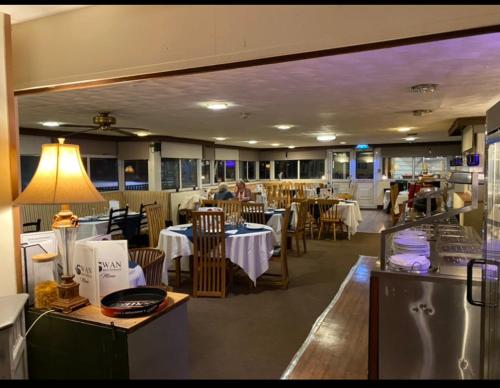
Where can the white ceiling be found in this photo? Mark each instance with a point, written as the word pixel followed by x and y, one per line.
pixel 361 97
pixel 24 12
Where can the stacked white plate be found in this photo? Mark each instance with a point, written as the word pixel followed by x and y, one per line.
pixel 412 241
pixel 409 262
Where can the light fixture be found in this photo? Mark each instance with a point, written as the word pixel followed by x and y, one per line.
pixel 411 137
pixel 220 138
pixel 323 177
pixel 142 133
pixel 284 127
pixel 422 112
pixel 60 178
pixel 291 146
pixel 342 142
pixel 252 141
pixel 326 137
pixel 276 144
pixel 50 123
pixel 129 170
pixel 217 105
pixel 404 129
pixel 424 88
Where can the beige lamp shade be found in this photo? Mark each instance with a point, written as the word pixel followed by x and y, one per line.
pixel 60 178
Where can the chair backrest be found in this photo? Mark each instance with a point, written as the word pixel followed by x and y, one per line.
pixel 208 202
pixel 31 227
pixel 117 221
pixel 209 254
pixel 151 260
pixel 143 222
pixel 394 197
pixel 284 249
pixel 155 224
pixel 231 208
pixel 253 212
pixel 328 209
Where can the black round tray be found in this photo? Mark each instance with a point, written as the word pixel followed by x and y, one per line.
pixel 134 302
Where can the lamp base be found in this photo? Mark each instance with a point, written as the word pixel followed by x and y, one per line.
pixel 68 298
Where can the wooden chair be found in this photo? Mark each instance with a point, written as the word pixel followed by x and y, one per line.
pixel 394 197
pixel 141 237
pixel 253 212
pixel 117 222
pixel 328 216
pixel 230 208
pixel 280 255
pixel 299 233
pixel 32 227
pixel 208 202
pixel 209 254
pixel 311 223
pixel 151 261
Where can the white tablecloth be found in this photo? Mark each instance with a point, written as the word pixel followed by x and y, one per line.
pixel 93 228
pixel 251 251
pixel 276 221
pixel 402 197
pixel 350 214
pixel 136 277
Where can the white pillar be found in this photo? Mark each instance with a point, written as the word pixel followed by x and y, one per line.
pixel 10 250
pixel 154 170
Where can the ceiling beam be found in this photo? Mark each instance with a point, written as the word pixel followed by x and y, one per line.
pixel 459 124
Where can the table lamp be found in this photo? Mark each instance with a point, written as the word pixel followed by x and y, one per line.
pixel 60 178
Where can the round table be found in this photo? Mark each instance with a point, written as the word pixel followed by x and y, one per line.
pixel 250 251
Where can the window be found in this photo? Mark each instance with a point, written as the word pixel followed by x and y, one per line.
pixel 136 174
pixel 364 165
pixel 205 172
pixel 434 166
pixel 285 169
pixel 264 169
pixel 189 171
pixel 29 163
pixel 104 173
pixel 247 170
pixel 401 168
pixel 170 174
pixel 340 165
pixel 312 169
pixel 225 170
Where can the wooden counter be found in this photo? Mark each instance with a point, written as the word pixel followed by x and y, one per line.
pixel 86 344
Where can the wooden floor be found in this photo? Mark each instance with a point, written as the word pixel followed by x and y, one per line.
pixel 337 347
pixel 374 221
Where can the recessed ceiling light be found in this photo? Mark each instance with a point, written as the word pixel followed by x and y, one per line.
pixel 142 133
pixel 424 88
pixel 292 146
pixel 220 138
pixel 342 142
pixel 276 144
pixel 252 141
pixel 410 138
pixel 50 123
pixel 404 129
pixel 284 127
pixel 217 105
pixel 422 112
pixel 326 137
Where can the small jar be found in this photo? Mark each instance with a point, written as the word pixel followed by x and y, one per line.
pixel 44 281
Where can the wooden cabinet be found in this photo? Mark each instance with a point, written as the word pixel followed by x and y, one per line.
pixel 12 337
pixel 88 345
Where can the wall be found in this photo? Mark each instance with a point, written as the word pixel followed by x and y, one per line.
pixel 10 250
pixel 106 41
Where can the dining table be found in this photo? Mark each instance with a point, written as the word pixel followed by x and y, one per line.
pixel 274 219
pixel 248 247
pixel 349 212
pixel 96 225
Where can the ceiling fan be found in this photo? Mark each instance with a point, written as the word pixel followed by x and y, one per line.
pixel 104 123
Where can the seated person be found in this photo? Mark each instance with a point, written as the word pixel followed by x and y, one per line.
pixel 223 193
pixel 242 193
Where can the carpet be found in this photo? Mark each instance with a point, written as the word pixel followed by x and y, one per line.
pixel 254 332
